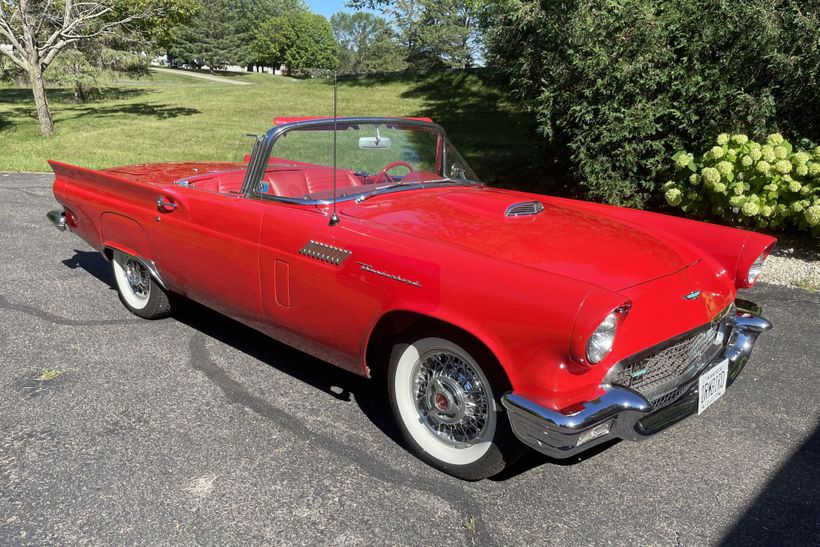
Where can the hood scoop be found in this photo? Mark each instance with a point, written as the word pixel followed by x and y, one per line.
pixel 524 209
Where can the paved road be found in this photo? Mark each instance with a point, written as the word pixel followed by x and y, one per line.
pixel 198 430
pixel 200 75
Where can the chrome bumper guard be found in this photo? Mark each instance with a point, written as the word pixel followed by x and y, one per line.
pixel 57 218
pixel 622 412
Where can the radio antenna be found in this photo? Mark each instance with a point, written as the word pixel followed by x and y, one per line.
pixel 334 219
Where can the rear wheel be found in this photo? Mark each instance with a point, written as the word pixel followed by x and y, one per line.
pixel 138 292
pixel 445 403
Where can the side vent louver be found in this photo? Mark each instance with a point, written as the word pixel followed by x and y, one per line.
pixel 524 208
pixel 324 252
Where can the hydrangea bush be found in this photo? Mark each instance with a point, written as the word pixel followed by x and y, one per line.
pixel 769 185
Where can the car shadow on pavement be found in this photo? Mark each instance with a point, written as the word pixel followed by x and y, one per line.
pixel 331 380
pixel 532 459
pixel 787 511
pixel 370 395
pixel 94 263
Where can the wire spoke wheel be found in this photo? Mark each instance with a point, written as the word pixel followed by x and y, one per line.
pixel 450 398
pixel 138 292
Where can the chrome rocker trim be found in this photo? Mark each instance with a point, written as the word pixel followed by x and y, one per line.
pixel 57 218
pixel 629 415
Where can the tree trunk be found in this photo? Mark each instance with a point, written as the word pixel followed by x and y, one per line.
pixel 38 88
pixel 79 92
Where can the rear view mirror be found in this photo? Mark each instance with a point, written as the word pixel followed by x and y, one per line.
pixel 374 143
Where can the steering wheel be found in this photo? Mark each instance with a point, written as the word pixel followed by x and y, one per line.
pixel 388 167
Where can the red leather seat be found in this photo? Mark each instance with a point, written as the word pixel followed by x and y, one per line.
pixel 297 183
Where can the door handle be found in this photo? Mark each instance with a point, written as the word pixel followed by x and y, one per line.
pixel 166 206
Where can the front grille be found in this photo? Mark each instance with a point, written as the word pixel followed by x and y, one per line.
pixel 659 374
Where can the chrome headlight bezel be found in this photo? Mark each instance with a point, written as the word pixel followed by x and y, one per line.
pixel 600 342
pixel 755 268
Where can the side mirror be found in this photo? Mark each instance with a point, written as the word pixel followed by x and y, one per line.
pixel 374 143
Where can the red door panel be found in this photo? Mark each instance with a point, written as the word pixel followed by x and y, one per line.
pixel 207 247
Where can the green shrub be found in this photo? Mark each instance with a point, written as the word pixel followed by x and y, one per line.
pixel 617 86
pixel 740 181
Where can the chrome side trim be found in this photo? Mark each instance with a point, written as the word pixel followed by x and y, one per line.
pixel 324 252
pixel 150 265
pixel 371 269
pixel 57 218
pixel 524 208
pixel 627 413
pixel 356 195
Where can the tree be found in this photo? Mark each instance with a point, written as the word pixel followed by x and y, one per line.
pixel 223 31
pixel 298 40
pixel 366 43
pixel 434 33
pixel 210 37
pixel 85 65
pixel 37 31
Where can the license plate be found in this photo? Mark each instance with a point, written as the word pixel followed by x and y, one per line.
pixel 712 384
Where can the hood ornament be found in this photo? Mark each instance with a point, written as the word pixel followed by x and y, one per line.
pixel 692 295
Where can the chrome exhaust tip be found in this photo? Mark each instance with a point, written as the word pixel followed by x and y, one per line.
pixel 57 218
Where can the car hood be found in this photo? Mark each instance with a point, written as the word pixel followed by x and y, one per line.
pixel 561 239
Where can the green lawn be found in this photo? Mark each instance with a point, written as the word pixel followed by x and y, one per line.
pixel 172 117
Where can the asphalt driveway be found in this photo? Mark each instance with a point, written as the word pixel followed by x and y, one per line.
pixel 196 429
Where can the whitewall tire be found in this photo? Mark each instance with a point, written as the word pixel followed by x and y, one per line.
pixel 137 290
pixel 446 404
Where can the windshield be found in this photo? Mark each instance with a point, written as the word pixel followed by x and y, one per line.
pixel 371 158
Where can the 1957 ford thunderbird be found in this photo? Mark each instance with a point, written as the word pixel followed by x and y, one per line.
pixel 499 319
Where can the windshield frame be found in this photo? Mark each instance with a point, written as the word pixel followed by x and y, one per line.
pixel 258 163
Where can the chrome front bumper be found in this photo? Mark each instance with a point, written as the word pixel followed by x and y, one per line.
pixel 622 412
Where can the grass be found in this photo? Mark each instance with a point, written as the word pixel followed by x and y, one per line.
pixel 808 284
pixel 49 374
pixel 172 117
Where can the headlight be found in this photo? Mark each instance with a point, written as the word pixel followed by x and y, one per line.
pixel 600 342
pixel 754 269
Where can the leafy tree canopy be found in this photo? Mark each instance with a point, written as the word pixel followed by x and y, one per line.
pixel 366 43
pixel 434 33
pixel 299 40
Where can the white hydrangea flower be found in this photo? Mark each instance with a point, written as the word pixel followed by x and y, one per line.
pixel 775 139
pixel 750 208
pixel 724 168
pixel 673 196
pixel 783 166
pixel 800 158
pixel 711 176
pixel 812 215
pixel 715 153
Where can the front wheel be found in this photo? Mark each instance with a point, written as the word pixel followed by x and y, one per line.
pixel 446 406
pixel 138 292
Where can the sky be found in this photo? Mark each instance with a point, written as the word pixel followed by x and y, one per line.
pixel 328 7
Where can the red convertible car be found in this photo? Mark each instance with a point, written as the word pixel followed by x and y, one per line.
pixel 499 319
